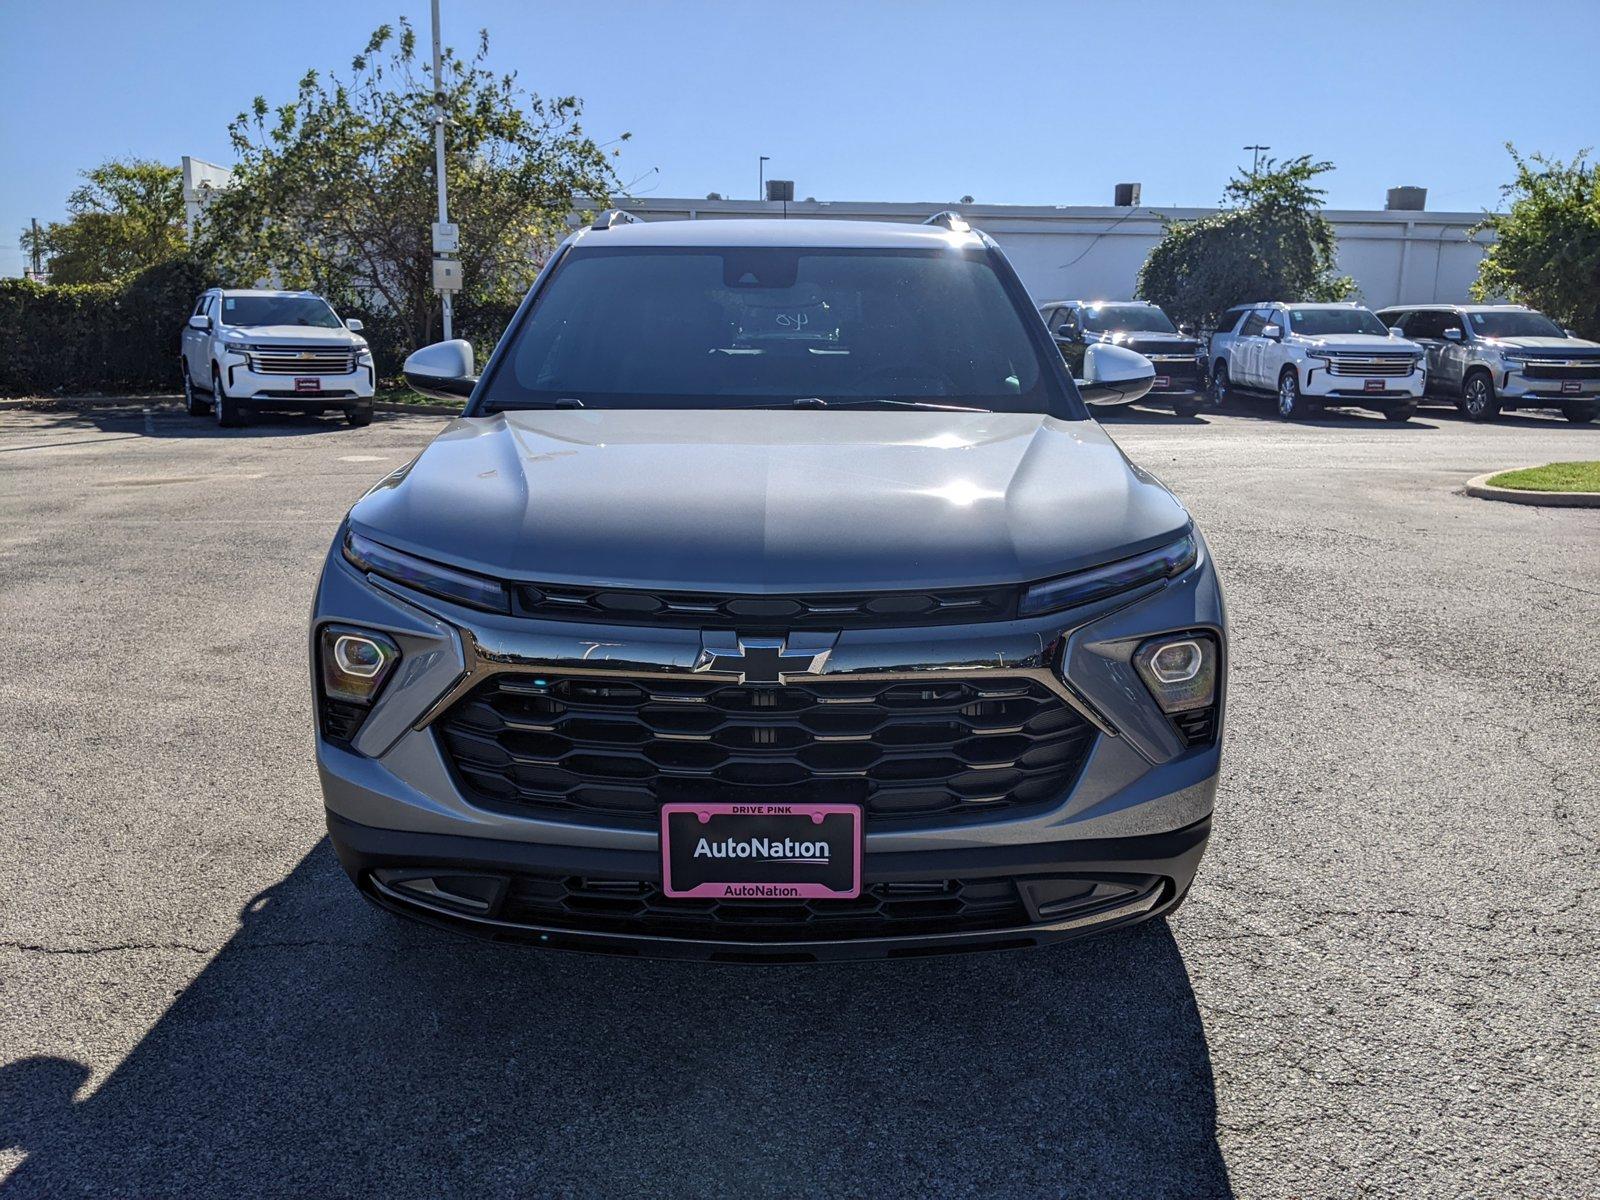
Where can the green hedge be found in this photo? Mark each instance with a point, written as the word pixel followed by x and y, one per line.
pixel 96 336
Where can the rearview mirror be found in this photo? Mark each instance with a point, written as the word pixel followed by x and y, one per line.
pixel 1452 335
pixel 1273 333
pixel 443 370
pixel 199 321
pixel 354 325
pixel 1114 375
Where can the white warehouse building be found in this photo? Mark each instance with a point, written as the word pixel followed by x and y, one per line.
pixel 1395 255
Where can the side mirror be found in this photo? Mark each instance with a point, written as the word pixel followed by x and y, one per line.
pixel 1396 331
pixel 1571 333
pixel 1186 329
pixel 1452 335
pixel 1114 375
pixel 1273 333
pixel 443 370
pixel 354 325
pixel 199 321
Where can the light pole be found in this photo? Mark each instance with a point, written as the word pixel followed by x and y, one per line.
pixel 761 178
pixel 1255 163
pixel 438 156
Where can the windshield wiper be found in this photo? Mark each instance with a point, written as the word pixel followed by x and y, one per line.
pixel 867 402
pixel 494 406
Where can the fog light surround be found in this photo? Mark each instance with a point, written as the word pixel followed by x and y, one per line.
pixel 1180 670
pixel 356 663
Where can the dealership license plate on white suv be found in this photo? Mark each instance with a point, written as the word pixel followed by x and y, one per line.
pixel 761 851
pixel 305 384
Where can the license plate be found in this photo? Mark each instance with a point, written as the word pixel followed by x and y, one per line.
pixel 1375 385
pixel 1571 385
pixel 761 851
pixel 1162 382
pixel 302 384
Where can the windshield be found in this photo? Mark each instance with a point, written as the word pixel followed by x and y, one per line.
pixel 709 327
pixel 1126 318
pixel 1514 324
pixel 278 310
pixel 1318 322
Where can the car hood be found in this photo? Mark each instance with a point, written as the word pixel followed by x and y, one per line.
pixel 766 501
pixel 1362 341
pixel 1574 347
pixel 295 335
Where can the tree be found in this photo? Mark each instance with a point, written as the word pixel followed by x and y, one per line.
pixel 335 190
pixel 126 216
pixel 1546 252
pixel 1271 241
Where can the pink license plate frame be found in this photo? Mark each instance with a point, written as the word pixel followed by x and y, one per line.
pixel 795 821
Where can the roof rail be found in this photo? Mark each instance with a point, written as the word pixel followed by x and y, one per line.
pixel 951 220
pixel 615 216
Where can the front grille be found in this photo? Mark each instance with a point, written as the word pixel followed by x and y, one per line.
pixel 638 907
pixel 1372 366
pixel 755 614
pixel 612 751
pixel 1555 368
pixel 1180 370
pixel 303 360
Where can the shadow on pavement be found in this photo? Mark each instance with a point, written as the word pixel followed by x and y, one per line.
pixel 328 1049
pixel 160 418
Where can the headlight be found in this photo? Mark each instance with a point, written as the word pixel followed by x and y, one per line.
pixel 447 583
pixel 353 665
pixel 1180 671
pixel 240 347
pixel 1100 582
pixel 1314 352
pixel 364 355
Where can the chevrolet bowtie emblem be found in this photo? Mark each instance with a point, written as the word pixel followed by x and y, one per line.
pixel 764 659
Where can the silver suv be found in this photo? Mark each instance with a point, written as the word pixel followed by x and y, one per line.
pixel 1494 358
pixel 775 597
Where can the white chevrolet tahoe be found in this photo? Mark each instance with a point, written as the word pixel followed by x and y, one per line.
pixel 246 350
pixel 1314 356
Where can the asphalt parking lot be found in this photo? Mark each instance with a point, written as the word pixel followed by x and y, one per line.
pixel 1386 980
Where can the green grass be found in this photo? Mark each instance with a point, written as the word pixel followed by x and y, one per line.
pixel 398 393
pixel 1553 477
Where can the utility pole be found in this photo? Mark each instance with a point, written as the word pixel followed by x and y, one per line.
pixel 38 271
pixel 438 160
pixel 1255 163
pixel 761 177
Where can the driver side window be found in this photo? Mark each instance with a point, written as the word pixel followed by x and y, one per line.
pixel 1253 324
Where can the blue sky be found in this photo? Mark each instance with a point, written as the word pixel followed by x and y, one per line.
pixel 1048 103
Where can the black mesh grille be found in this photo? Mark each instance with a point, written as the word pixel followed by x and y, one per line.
pixel 612 751
pixel 1198 728
pixel 1573 369
pixel 752 614
pixel 882 910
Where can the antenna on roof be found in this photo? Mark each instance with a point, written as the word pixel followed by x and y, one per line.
pixel 615 216
pixel 951 220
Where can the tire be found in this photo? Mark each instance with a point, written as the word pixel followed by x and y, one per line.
pixel 1400 413
pixel 358 417
pixel 192 403
pixel 1185 408
pixel 1580 414
pixel 1292 406
pixel 229 412
pixel 1478 401
pixel 1220 394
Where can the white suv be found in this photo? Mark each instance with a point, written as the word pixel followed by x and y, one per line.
pixel 248 349
pixel 1314 356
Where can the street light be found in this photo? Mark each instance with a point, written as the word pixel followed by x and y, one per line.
pixel 1255 163
pixel 446 279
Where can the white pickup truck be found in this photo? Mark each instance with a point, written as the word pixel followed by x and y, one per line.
pixel 1315 356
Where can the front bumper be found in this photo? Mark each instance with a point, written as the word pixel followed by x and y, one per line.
pixel 394 802
pixel 1515 387
pixel 350 389
pixel 1352 390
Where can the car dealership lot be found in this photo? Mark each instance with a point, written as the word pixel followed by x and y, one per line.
pixel 1387 976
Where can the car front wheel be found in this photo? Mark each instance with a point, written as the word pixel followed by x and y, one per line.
pixel 230 414
pixel 1400 413
pixel 1219 384
pixel 1477 398
pixel 1291 404
pixel 191 399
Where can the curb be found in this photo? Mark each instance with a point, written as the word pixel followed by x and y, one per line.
pixel 1479 486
